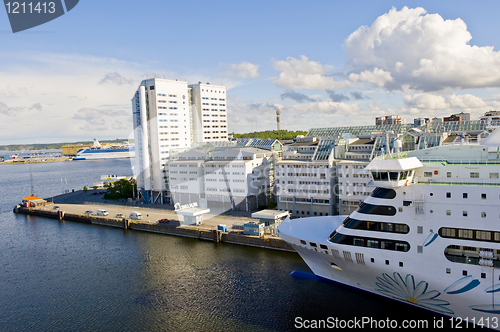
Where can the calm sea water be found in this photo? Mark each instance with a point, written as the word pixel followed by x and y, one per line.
pixel 66 276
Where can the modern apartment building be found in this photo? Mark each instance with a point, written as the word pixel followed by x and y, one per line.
pixel 168 117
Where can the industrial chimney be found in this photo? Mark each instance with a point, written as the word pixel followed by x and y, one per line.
pixel 278 112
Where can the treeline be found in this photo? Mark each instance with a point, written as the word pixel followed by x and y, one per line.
pixel 50 146
pixel 272 134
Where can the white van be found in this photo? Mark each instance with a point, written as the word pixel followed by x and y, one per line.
pixel 135 215
pixel 102 212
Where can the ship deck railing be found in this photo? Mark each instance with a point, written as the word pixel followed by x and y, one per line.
pixel 458 183
pixel 459 161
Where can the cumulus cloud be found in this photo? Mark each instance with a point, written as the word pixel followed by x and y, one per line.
pixel 10 111
pixel 357 95
pixel 306 74
pixel 246 116
pixel 115 78
pixel 336 96
pixel 426 101
pixel 422 51
pixel 241 70
pixel 296 96
pixel 36 106
pixel 378 77
pixel 42 93
pixel 438 102
pixel 326 107
pixel 92 119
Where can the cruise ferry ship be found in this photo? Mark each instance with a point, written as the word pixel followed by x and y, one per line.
pixel 97 151
pixel 428 235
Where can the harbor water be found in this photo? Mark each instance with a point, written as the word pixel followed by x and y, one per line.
pixel 67 276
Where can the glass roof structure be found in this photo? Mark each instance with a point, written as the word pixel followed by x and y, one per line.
pixel 324 149
pixel 433 127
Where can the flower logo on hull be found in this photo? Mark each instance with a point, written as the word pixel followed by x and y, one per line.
pixel 406 290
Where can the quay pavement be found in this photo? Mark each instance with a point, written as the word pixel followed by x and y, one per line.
pixel 80 202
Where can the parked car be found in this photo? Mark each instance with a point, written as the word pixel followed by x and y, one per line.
pixel 119 215
pixel 101 212
pixel 88 212
pixel 135 215
pixel 163 221
pixel 56 207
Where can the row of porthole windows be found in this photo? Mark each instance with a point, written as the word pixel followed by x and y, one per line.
pixel 464 195
pixel 464 213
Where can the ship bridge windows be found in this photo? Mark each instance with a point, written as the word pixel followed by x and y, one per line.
pixel 376 243
pixel 376 226
pixel 392 176
pixel 383 193
pixel 384 210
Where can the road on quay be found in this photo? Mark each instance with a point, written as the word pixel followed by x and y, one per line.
pixel 80 202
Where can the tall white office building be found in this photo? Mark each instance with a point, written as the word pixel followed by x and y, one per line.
pixel 168 117
pixel 162 123
pixel 209 112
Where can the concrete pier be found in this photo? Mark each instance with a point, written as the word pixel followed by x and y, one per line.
pixel 207 231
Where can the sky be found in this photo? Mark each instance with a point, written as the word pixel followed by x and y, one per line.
pixel 322 63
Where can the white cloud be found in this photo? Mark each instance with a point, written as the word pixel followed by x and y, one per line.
pixel 246 116
pixel 466 101
pixel 426 101
pixel 42 100
pixel 451 101
pixel 306 74
pixel 242 70
pixel 325 107
pixel 377 77
pixel 423 51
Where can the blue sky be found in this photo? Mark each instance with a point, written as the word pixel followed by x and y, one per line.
pixel 323 63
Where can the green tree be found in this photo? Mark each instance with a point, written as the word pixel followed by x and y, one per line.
pixel 272 134
pixel 122 188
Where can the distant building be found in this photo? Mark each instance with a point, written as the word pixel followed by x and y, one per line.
pixel 491 116
pixel 389 120
pixel 457 117
pixel 420 121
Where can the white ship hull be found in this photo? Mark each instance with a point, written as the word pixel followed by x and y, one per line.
pixel 104 154
pixel 434 245
pixel 416 283
pixel 97 151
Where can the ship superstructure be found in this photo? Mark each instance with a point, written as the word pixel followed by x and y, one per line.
pixel 428 235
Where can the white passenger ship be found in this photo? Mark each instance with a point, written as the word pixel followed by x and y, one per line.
pixel 429 234
pixel 97 151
